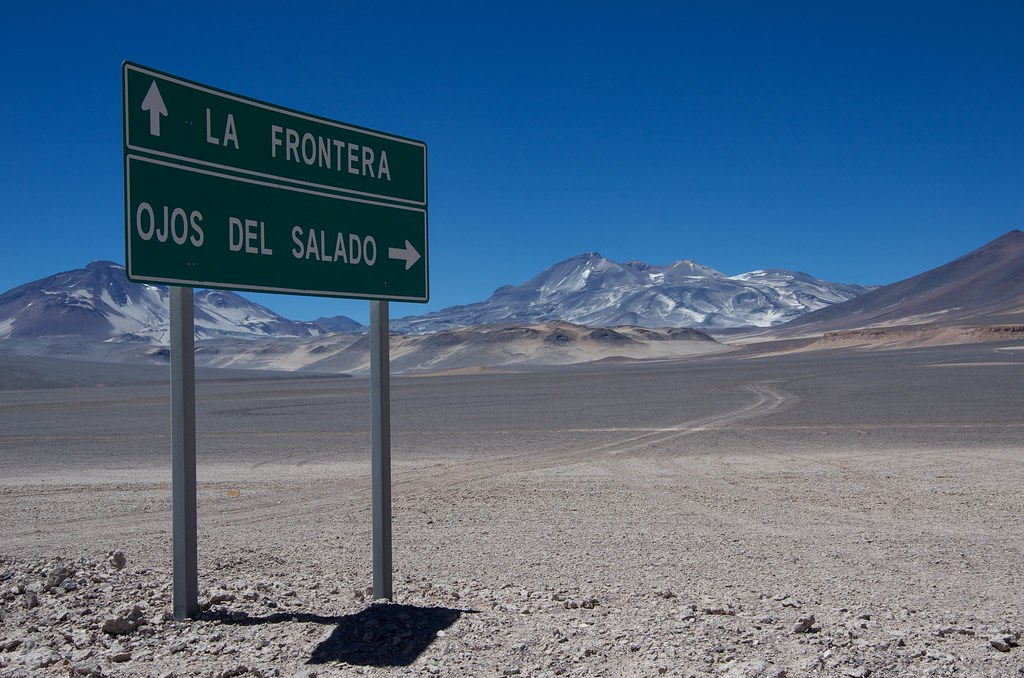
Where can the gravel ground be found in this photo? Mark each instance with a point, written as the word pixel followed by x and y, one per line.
pixel 831 515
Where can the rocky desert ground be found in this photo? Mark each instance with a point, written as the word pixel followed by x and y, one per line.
pixel 837 513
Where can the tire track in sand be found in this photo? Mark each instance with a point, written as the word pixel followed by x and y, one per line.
pixel 768 398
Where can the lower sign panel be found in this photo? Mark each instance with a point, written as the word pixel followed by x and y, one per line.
pixel 200 228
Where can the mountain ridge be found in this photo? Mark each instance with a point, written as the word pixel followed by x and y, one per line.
pixel 983 287
pixel 589 289
pixel 96 314
pixel 99 303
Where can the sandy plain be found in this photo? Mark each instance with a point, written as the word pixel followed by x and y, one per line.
pixel 840 513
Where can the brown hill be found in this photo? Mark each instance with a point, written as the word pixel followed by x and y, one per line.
pixel 505 345
pixel 984 287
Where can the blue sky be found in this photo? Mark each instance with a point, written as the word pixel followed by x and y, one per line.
pixel 859 142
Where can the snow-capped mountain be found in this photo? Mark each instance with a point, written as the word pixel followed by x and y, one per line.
pixel 591 290
pixel 99 303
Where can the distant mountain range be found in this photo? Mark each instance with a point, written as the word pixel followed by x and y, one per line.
pixel 99 303
pixel 593 291
pixel 96 314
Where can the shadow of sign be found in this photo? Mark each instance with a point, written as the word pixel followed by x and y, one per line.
pixel 384 634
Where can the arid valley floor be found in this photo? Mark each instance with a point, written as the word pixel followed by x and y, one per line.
pixel 836 513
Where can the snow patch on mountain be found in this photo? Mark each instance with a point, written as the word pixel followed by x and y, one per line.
pixel 99 303
pixel 591 290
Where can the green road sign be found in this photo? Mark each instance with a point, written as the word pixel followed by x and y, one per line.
pixel 209 229
pixel 226 191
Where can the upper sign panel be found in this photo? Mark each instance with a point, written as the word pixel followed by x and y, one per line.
pixel 183 121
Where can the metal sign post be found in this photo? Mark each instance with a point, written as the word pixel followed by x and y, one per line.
pixel 183 454
pixel 380 444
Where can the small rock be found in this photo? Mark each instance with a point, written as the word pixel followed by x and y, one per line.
pixel 137 617
pixel 119 626
pixel 805 625
pixel 69 585
pixel 80 655
pixel 57 577
pixel 41 658
pixel 1000 643
pixel 723 610
pixel 31 600
pixel 10 645
pixel 121 657
pixel 753 669
pixel 117 560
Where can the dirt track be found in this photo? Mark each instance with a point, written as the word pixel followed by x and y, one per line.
pixel 664 518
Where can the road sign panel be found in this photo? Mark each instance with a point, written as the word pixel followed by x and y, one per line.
pixel 203 228
pixel 183 121
pixel 226 191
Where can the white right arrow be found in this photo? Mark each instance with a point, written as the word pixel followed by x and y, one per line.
pixel 409 254
pixel 154 103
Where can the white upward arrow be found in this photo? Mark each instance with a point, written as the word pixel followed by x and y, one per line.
pixel 409 254
pixel 154 103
